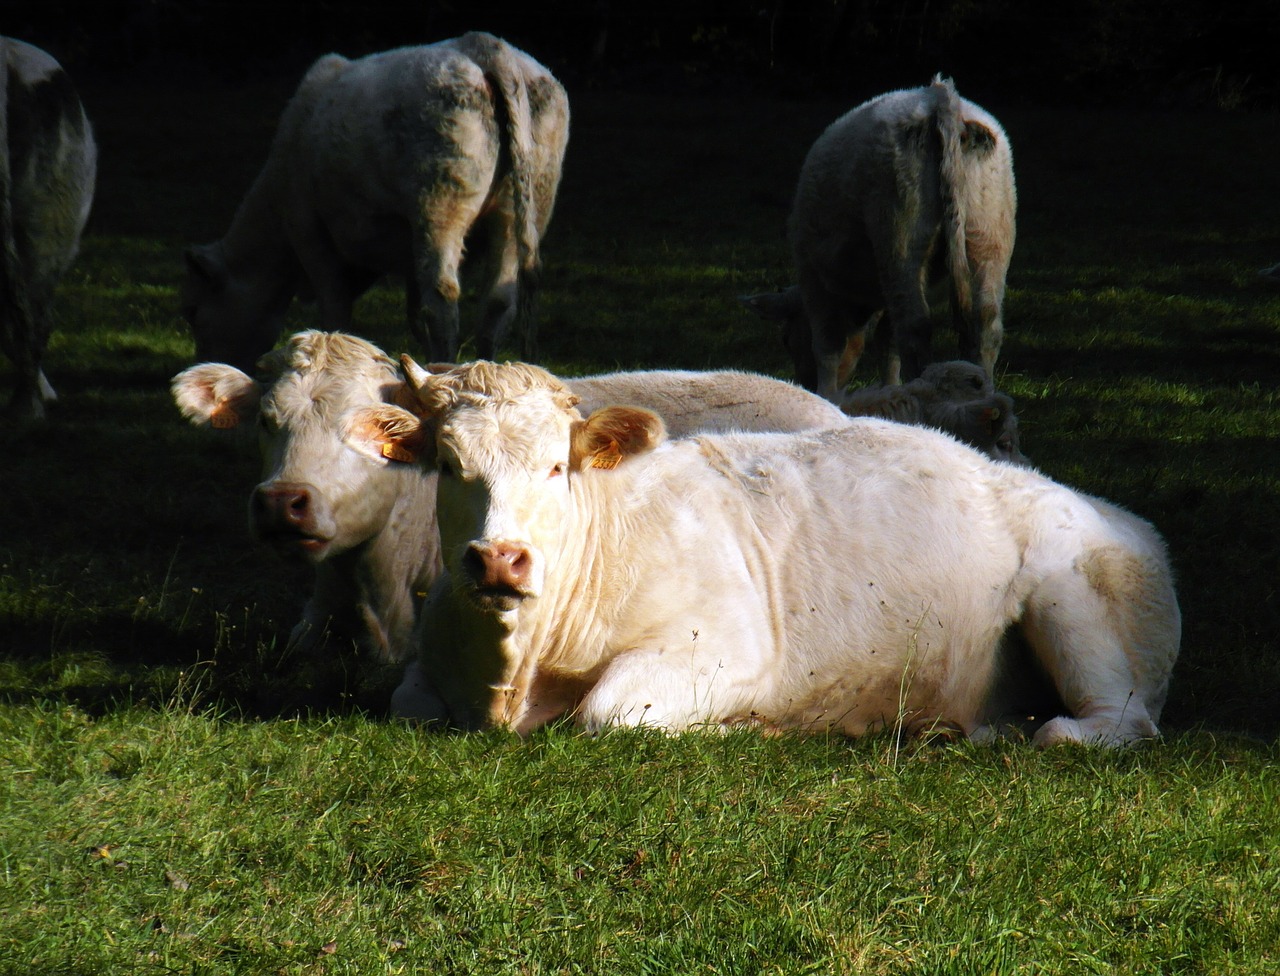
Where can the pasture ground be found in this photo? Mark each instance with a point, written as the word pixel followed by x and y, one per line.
pixel 165 807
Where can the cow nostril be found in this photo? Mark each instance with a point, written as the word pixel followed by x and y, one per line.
pixel 473 563
pixel 520 563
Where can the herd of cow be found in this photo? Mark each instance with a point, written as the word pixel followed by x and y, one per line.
pixel 667 548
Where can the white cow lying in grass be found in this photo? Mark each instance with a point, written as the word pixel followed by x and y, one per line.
pixel 907 191
pixel 853 578
pixel 381 165
pixel 48 166
pixel 364 517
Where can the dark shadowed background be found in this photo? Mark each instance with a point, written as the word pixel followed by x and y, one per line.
pixel 1174 53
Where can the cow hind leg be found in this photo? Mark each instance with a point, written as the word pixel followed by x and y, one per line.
pixel 24 344
pixel 837 336
pixel 1088 653
pixel 504 294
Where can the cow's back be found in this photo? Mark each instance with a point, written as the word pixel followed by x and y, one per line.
pixel 890 533
pixel 723 400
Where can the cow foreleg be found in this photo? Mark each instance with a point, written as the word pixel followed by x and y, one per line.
pixel 674 691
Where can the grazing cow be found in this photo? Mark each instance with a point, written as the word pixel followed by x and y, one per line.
pixel 851 578
pixel 364 518
pixel 48 166
pixel 385 164
pixel 906 191
pixel 956 397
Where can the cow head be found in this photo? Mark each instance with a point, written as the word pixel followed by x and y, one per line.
pixel 508 443
pixel 233 316
pixel 321 494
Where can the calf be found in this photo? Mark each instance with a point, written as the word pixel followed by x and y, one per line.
pixel 906 192
pixel 365 518
pixel 957 397
pixel 386 164
pixel 596 568
pixel 48 167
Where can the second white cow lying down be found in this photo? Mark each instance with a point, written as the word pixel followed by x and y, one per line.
pixel 852 578
pixel 366 519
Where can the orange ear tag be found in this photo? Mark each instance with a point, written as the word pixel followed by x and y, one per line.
pixel 396 453
pixel 223 418
pixel 607 458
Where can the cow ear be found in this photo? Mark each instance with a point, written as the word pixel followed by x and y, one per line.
pixel 611 434
pixel 215 395
pixel 391 433
pixel 203 261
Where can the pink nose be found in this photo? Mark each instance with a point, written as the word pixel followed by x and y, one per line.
pixel 282 507
pixel 498 565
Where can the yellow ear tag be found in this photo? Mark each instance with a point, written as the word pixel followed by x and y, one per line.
pixel 223 418
pixel 607 458
pixel 396 453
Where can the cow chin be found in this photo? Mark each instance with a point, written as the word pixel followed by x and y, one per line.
pixel 496 599
pixel 309 548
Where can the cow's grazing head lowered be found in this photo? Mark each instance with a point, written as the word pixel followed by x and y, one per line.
pixel 386 164
pixel 597 568
pixel 48 168
pixel 909 192
pixel 364 517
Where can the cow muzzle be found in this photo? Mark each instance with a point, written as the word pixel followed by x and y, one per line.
pixel 285 514
pixel 500 574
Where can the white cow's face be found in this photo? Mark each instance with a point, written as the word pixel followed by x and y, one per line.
pixel 503 494
pixel 321 492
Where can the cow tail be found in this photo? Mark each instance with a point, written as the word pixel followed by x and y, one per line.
pixel 15 308
pixel 949 116
pixel 515 120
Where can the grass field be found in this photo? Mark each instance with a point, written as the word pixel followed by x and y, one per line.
pixel 162 811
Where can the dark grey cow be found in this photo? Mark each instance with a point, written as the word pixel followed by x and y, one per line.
pixel 48 167
pixel 386 164
pixel 906 192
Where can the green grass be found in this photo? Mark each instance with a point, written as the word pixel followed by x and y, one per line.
pixel 162 811
pixel 404 852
